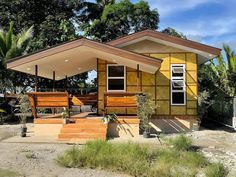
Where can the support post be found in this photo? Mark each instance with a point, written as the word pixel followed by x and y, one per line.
pixel 36 78
pixel 138 77
pixel 66 83
pixel 53 81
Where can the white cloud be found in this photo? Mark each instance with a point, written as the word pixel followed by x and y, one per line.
pixel 167 7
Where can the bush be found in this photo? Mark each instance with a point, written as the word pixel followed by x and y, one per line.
pixel 180 143
pixel 138 160
pixel 216 170
pixel 128 157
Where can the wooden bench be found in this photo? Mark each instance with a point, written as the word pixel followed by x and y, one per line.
pixel 48 100
pixel 119 100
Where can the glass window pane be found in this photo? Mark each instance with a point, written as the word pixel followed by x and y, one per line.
pixel 177 71
pixel 116 84
pixel 115 71
pixel 177 85
pixel 177 98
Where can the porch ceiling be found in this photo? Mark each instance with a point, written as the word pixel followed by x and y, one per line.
pixel 79 56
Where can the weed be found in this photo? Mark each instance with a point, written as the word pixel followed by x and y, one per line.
pixel 216 170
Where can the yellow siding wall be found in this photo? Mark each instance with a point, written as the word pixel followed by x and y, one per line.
pixel 158 85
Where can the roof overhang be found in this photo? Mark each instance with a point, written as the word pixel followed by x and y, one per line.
pixel 80 56
pixel 205 52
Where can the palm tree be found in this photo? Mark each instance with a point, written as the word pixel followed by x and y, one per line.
pixel 224 72
pixel 14 45
pixel 89 11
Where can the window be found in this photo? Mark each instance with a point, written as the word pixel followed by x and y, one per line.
pixel 116 77
pixel 178 93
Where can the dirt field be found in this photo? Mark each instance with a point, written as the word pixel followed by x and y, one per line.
pixel 38 160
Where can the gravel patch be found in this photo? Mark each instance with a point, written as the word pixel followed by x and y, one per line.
pixel 38 160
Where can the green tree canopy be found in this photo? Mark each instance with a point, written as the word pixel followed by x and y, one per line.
pixel 219 75
pixel 118 19
pixel 173 32
pixel 46 16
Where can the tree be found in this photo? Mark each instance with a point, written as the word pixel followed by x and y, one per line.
pixel 118 19
pixel 12 46
pixel 46 16
pixel 173 32
pixel 217 78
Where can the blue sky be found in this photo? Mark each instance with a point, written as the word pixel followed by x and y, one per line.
pixel 211 22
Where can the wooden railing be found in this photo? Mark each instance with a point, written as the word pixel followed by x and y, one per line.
pixel 48 100
pixel 119 100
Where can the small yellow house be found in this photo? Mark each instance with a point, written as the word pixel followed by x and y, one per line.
pixel 161 65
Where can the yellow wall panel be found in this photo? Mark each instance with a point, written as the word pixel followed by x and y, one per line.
pixel 101 91
pixel 178 110
pixel 132 78
pixel 148 79
pixel 191 111
pixel 150 90
pixel 165 65
pixel 191 76
pixel 101 78
pixel 100 107
pixel 116 111
pixel 192 104
pixel 101 67
pixel 178 58
pixel 101 61
pixel 162 92
pixel 131 111
pixel 191 61
pixel 162 108
pixel 191 92
pixel 133 89
pixel 163 78
pixel 130 69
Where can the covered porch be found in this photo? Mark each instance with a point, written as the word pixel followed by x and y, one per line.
pixel 73 58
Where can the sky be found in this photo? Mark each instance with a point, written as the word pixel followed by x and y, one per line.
pixel 211 22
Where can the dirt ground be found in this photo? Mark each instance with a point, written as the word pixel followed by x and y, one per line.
pixel 38 160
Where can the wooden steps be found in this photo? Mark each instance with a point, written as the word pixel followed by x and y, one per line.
pixel 83 130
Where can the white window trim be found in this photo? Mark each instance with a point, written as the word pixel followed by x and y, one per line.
pixel 178 78
pixel 116 78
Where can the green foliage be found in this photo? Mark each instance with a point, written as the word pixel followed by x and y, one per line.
pixel 24 107
pixel 219 75
pixel 46 16
pixel 115 19
pixel 173 32
pixel 180 143
pixel 109 118
pixel 146 108
pixel 135 159
pixel 30 155
pixel 216 170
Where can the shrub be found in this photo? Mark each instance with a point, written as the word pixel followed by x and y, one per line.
pixel 180 143
pixel 139 160
pixel 131 158
pixel 216 170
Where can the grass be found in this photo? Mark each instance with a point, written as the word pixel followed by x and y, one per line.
pixel 8 173
pixel 140 160
pixel 216 170
pixel 30 155
pixel 180 143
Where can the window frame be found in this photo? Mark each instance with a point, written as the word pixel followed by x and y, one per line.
pixel 124 77
pixel 178 78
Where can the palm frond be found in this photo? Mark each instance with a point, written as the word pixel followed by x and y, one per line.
pixel 9 36
pixel 24 37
